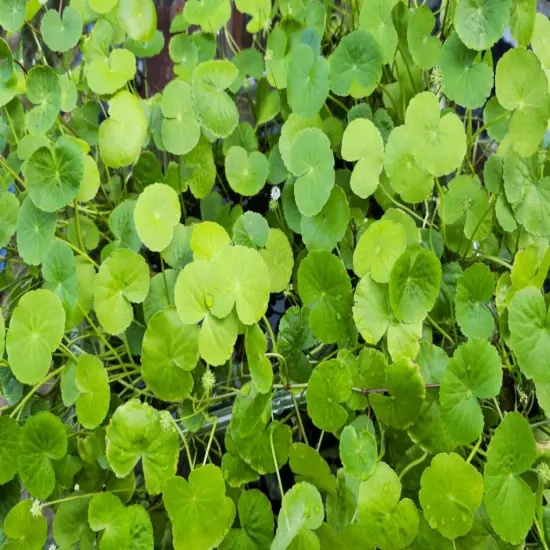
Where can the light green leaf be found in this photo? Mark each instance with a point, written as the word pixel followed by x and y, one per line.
pixel 279 260
pixel 139 18
pixel 371 311
pixel 509 500
pixel 308 465
pixel 376 18
pixel 10 434
pixel 123 279
pixel 246 172
pixel 92 381
pixel 106 75
pixel 450 492
pixel 423 46
pixel 26 531
pixel 474 372
pixel 61 34
pixel 43 91
pixel 36 329
pixel 328 387
pixel 43 439
pixel 9 212
pixel 138 431
pixel 200 512
pixel 358 451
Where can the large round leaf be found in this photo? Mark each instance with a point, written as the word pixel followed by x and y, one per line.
pixel 371 310
pixel 26 530
pixel 376 18
pixel 180 128
pixel 138 431
pixel 61 34
pixel 438 144
pixel 246 172
pixel 9 212
pixel 139 19
pixel 123 278
pixel 54 176
pixel 423 46
pixel 92 381
pixel 12 14
pixel 474 290
pixel 312 162
pixel 363 143
pixel 308 81
pixel 466 81
pixel 450 492
pixel 36 329
pixel 43 91
pixel 43 440
pixel 328 387
pixel 200 512
pixel 216 111
pixel 378 249
pixel 106 75
pixel 358 451
pixel 480 23
pixel 324 285
pixel 391 522
pixel 156 214
pixel 121 136
pixel 474 372
pixel 279 259
pixel 509 499
pixel 529 323
pixel 414 284
pixel 169 351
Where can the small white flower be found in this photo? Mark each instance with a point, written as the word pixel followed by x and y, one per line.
pixel 288 290
pixel 267 25
pixel 52 547
pixel 36 508
pixel 268 55
pixel 208 380
pixel 275 193
pixel 76 487
pixel 42 2
pixel 289 10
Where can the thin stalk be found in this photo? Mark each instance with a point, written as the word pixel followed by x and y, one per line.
pixel 411 465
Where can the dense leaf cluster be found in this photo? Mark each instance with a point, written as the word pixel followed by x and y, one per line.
pixel 295 300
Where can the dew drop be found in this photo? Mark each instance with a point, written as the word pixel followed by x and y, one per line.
pixel 464 518
pixel 433 523
pixel 453 519
pixel 339 297
pixel 317 509
pixel 428 507
pixel 442 521
pixel 338 316
pixel 209 301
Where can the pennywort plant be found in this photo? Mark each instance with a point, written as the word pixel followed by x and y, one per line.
pixel 295 299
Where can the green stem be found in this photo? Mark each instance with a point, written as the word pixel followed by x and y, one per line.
pixel 271 335
pixel 496 260
pixel 279 481
pixel 475 449
pixel 214 424
pixel 83 254
pixel 185 444
pixel 440 330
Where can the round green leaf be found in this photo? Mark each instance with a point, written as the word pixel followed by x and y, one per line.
pixel 409 180
pixel 328 387
pixel 301 510
pixel 414 284
pixel 92 381
pixel 123 278
pixel 216 111
pixel 180 127
pixel 391 522
pixel 106 513
pixel 474 372
pixel 43 440
pixel 178 253
pixel 199 170
pixel 423 46
pixel 156 214
pixel 308 465
pixel 121 136
pixel 246 173
pixel 36 329
pixel 139 18
pixel 371 311
pixel 325 286
pixel 466 81
pixel 480 23
pixel 326 229
pixel 540 43
pixel 35 232
pixel 138 431
pixel 25 530
pixel 9 212
pixel 200 512
pixel 362 142
pixel 378 249
pixel 43 91
pixel 438 144
pixel 529 336
pixel 474 290
pixel 170 349
pixel 406 388
pixel 358 451
pixel 312 162
pixel 251 229
pixel 54 176
pixel 10 433
pixel 207 239
pixel 308 81
pixel 61 34
pixel 106 75
pixel 376 17
pixel 279 260
pixel 509 499
pixel 210 15
pixel 12 14
pixel 450 492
